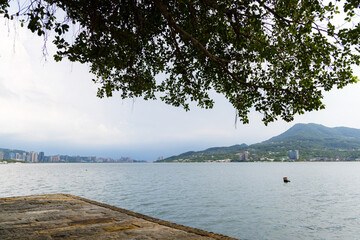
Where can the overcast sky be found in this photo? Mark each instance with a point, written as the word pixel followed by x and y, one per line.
pixel 52 107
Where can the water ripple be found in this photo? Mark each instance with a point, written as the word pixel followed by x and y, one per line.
pixel 245 200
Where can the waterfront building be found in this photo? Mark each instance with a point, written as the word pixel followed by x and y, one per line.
pixel 55 158
pixel 18 156
pixel 293 154
pixel 244 156
pixel 33 156
pixel 41 157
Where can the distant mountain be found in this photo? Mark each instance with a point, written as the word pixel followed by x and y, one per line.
pixel 311 132
pixel 312 141
pixel 318 136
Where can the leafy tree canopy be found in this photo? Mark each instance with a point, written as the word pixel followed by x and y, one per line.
pixel 274 56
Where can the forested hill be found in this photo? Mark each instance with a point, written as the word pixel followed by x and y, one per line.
pixel 215 153
pixel 317 132
pixel 312 141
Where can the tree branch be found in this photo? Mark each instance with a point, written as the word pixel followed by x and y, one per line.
pixel 200 47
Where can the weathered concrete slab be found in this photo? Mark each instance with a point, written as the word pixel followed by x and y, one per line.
pixel 64 216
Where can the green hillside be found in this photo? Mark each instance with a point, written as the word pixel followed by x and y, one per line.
pixel 215 153
pixel 316 132
pixel 314 142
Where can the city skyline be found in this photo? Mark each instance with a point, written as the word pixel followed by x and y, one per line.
pixel 40 157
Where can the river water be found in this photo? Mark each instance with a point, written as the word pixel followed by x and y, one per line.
pixel 241 200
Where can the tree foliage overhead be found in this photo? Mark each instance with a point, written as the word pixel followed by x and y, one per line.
pixel 274 56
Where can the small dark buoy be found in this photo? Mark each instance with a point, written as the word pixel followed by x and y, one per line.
pixel 286 180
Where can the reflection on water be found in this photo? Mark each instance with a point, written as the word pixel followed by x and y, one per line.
pixel 243 200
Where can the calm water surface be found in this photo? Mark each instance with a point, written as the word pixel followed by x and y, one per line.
pixel 242 200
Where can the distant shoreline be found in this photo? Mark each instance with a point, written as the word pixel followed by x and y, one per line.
pixel 24 162
pixel 6 162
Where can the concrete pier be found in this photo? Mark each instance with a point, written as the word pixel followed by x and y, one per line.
pixel 64 216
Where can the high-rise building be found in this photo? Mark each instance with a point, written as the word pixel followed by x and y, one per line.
pixel 55 158
pixel 33 156
pixel 28 157
pixel 244 156
pixel 1 155
pixel 294 154
pixel 41 157
pixel 18 156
